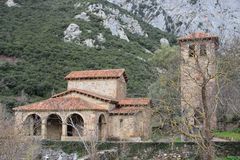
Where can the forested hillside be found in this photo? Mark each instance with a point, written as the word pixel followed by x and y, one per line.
pixel 34 57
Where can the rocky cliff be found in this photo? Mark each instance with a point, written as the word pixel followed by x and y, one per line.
pixel 221 17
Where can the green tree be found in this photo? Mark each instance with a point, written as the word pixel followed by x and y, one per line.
pixel 167 62
pixel 164 92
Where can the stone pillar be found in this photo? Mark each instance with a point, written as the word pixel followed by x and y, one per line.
pixel 31 125
pixel 64 131
pixel 44 129
pixel 104 131
pixel 19 124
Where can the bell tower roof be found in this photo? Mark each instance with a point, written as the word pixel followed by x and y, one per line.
pixel 198 36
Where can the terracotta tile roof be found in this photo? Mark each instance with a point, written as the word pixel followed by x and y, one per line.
pixel 198 35
pixel 126 110
pixel 134 102
pixel 60 103
pixel 87 93
pixel 109 73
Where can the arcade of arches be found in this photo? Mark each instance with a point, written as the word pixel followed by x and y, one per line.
pixel 63 126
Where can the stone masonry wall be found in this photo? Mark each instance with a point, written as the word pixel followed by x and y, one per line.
pixel 123 127
pixel 145 150
pixel 115 88
pixel 121 88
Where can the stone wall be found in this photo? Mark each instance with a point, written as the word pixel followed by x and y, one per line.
pixel 146 150
pixel 58 154
pixel 123 127
pixel 121 88
pixel 115 88
pixel 133 127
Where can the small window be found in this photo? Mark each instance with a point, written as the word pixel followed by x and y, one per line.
pixel 203 50
pixel 191 50
pixel 121 123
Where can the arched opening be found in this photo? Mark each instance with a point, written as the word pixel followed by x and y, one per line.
pixel 54 127
pixel 32 125
pixel 75 125
pixel 101 127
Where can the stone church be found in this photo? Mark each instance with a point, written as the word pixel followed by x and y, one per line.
pixel 95 103
pixel 93 106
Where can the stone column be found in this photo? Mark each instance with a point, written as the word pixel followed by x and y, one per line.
pixel 19 124
pixel 31 125
pixel 64 131
pixel 104 130
pixel 44 129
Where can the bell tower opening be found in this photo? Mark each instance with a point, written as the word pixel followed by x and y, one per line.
pixel 191 51
pixel 203 50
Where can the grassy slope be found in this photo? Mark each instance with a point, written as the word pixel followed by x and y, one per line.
pixel 33 34
pixel 229 158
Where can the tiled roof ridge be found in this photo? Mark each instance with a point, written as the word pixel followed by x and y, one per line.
pixel 84 92
pixel 39 105
pixel 104 73
pixel 29 104
pixel 87 70
pixel 126 110
pixel 142 101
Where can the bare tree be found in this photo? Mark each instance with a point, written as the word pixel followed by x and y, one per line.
pixel 199 93
pixel 90 145
pixel 229 108
pixel 77 127
pixel 13 144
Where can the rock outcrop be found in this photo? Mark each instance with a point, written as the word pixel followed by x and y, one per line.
pixel 82 16
pixel 113 19
pixel 72 33
pixel 181 17
pixel 11 3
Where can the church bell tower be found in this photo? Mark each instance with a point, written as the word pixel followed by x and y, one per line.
pixel 198 77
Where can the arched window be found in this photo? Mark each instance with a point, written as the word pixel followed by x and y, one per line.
pixel 32 125
pixel 101 127
pixel 75 125
pixel 54 127
pixel 203 50
pixel 191 51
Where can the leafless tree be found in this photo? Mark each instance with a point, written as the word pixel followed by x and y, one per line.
pixel 229 107
pixel 207 79
pixel 78 129
pixel 13 144
pixel 90 145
